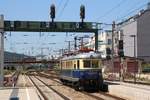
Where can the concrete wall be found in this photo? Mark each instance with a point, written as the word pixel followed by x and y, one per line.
pixel 143 32
pixel 141 28
pixel 129 29
pixel 103 37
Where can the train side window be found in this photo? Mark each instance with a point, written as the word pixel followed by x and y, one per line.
pixel 78 64
pixel 87 63
pixel 95 64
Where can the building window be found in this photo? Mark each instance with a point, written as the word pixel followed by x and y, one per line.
pixel 109 41
pixel 107 34
pixel 116 40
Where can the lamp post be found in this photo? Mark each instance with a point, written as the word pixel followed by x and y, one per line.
pixel 112 51
pixel 134 57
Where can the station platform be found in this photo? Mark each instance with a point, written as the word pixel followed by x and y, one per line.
pixel 23 90
pixel 20 93
pixel 129 91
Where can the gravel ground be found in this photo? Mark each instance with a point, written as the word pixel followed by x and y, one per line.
pixel 23 81
pixel 67 91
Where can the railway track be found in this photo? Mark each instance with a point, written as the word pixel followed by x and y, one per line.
pixel 11 79
pixel 16 75
pixel 39 90
pixel 45 93
pixel 97 95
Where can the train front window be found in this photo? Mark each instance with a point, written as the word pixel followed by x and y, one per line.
pixel 87 63
pixel 95 64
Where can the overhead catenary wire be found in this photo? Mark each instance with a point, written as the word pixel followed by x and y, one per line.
pixel 124 16
pixel 133 6
pixel 111 10
pixel 65 5
pixel 137 9
pixel 59 5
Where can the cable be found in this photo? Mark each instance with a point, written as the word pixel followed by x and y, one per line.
pixel 59 4
pixel 110 11
pixel 133 6
pixel 131 12
pixel 126 14
pixel 65 5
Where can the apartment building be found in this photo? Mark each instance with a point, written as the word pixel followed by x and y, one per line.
pixel 104 41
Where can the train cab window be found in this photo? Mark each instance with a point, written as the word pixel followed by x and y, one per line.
pixel 87 63
pixel 95 64
pixel 74 66
pixel 78 64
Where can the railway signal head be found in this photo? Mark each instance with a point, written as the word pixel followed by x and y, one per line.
pixel 120 51
pixel 52 13
pixel 120 44
pixel 108 53
pixel 82 11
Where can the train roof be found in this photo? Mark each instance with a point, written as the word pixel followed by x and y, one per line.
pixel 90 55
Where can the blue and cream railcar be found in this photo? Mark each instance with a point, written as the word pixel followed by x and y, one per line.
pixel 83 71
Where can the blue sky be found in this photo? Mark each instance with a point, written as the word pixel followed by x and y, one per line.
pixel 96 11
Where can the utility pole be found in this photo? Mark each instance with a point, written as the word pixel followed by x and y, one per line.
pixel 61 52
pixel 135 61
pixel 96 41
pixel 113 32
pixel 52 12
pixel 81 42
pixel 121 55
pixel 134 57
pixel 1 50
pixel 75 43
pixel 41 57
pixel 69 45
pixel 1 58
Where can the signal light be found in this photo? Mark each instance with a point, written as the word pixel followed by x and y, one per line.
pixel 121 52
pixel 52 13
pixel 120 44
pixel 108 53
pixel 82 12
